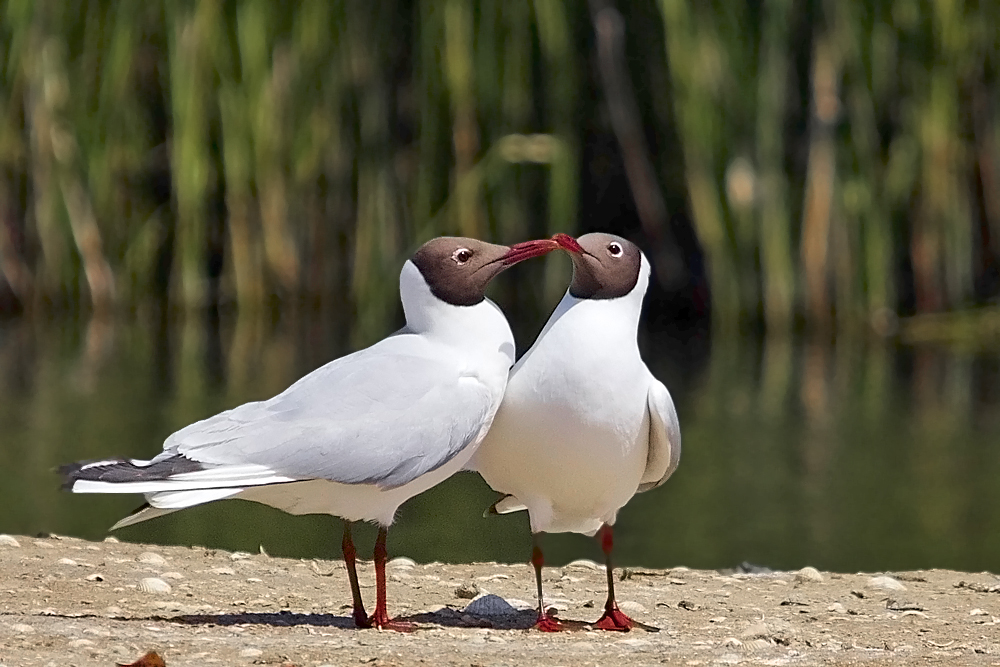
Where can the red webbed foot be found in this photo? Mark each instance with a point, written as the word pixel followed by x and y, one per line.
pixel 548 623
pixel 615 620
pixel 381 621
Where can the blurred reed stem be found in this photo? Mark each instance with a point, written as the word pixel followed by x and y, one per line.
pixel 217 152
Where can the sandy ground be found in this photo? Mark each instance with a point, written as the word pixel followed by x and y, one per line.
pixel 69 602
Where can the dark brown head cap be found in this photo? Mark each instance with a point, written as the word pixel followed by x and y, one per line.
pixel 605 266
pixel 458 270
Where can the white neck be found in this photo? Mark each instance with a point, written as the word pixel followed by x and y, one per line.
pixel 620 314
pixel 482 325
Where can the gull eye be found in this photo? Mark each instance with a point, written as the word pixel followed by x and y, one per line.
pixel 461 256
pixel 615 249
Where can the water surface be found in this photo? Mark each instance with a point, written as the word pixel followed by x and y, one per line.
pixel 849 456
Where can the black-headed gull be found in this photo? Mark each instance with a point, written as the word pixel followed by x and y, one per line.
pixel 583 425
pixel 362 434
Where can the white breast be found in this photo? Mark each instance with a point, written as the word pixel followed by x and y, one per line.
pixel 571 437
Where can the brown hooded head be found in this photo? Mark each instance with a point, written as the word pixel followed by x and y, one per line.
pixel 605 266
pixel 458 270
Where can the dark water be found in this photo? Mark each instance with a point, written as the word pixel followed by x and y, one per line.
pixel 847 456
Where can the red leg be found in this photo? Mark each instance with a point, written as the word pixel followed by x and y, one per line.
pixel 613 618
pixel 545 623
pixel 350 554
pixel 380 619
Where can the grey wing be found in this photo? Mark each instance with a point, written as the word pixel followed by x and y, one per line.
pixel 385 415
pixel 664 437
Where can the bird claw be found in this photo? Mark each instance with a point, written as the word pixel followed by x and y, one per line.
pixel 381 621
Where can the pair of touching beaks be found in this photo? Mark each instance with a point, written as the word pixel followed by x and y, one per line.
pixel 536 248
pixel 605 266
pixel 458 270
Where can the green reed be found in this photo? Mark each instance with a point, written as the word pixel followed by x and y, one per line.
pixel 838 162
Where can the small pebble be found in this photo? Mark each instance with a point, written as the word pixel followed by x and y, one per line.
pixel 154 585
pixel 978 612
pixel 171 575
pixel 8 541
pixel 95 577
pixel 151 558
pixel 110 539
pixel 886 584
pixel 467 591
pixel 223 570
pixel 401 561
pixel 757 630
pixel 240 555
pixel 67 561
pixel 837 608
pixel 808 574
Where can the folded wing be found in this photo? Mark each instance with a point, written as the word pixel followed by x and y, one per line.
pixel 664 437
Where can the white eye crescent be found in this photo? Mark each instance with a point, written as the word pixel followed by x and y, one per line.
pixel 461 256
pixel 615 249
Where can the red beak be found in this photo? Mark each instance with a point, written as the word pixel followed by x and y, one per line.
pixel 567 242
pixel 522 251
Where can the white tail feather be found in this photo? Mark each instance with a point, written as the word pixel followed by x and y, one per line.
pixel 192 481
pixel 175 500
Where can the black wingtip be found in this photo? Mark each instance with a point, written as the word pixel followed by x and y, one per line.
pixel 70 472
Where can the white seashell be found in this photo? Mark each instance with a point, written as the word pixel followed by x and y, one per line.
pixel 67 561
pixel 154 585
pixel 489 605
pixel 630 607
pixel 756 645
pixel 402 561
pixel 808 574
pixel 585 564
pixel 8 541
pixel 151 558
pixel 240 555
pixel 111 539
pixel 95 577
pixel 886 584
